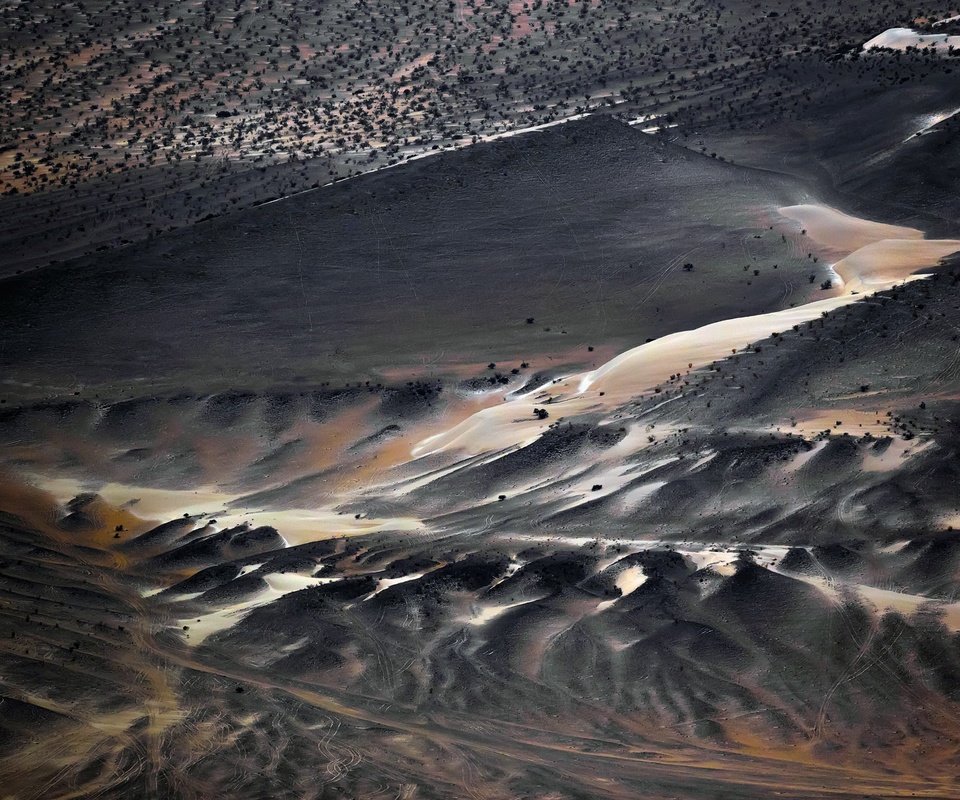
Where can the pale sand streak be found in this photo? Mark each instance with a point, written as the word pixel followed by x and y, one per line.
pixel 297 525
pixel 878 256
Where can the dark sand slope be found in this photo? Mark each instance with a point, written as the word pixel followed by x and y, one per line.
pixel 880 139
pixel 432 263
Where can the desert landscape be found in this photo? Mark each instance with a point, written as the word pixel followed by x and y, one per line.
pixel 479 400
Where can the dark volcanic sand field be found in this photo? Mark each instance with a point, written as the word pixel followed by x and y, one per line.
pixel 437 263
pixel 584 463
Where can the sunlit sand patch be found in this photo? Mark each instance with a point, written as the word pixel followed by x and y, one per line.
pixel 702 461
pixel 800 460
pixel 903 38
pixel 510 424
pixel 910 604
pixel 929 121
pixel 893 455
pixel 841 232
pixel 643 119
pixel 838 420
pixel 650 364
pixel 483 614
pixel 147 502
pixel 385 583
pixel 610 472
pixel 877 256
pixel 204 626
pixel 283 583
pixel 722 559
pixel 42 508
pixel 427 438
pixel 628 581
pixel 887 452
pixel 880 265
pixel 634 498
pixel 515 409
pixel 300 526
pixel 297 526
pixel 509 572
pixel 629 375
pixel 886 599
pixel 425 478
pixel 604 563
pixel 279 584
pixel 647 128
pixel 894 547
pixel 723 562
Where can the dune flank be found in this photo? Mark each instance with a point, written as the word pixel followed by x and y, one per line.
pixel 876 256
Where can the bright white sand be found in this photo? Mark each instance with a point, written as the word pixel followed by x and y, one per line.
pixel 278 585
pixel 929 121
pixel 385 583
pixel 902 38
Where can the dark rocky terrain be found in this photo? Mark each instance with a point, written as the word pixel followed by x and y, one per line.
pixel 123 120
pixel 607 460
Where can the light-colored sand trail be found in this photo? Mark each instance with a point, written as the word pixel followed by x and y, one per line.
pixel 873 257
pixel 298 525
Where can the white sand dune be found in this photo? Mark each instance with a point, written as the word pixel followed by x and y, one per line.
pixel 483 614
pixel 278 585
pixel 650 364
pixel 879 255
pixel 628 581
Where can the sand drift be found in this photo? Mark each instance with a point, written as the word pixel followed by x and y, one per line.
pixel 871 257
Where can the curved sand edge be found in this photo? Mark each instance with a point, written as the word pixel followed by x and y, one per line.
pixel 877 256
